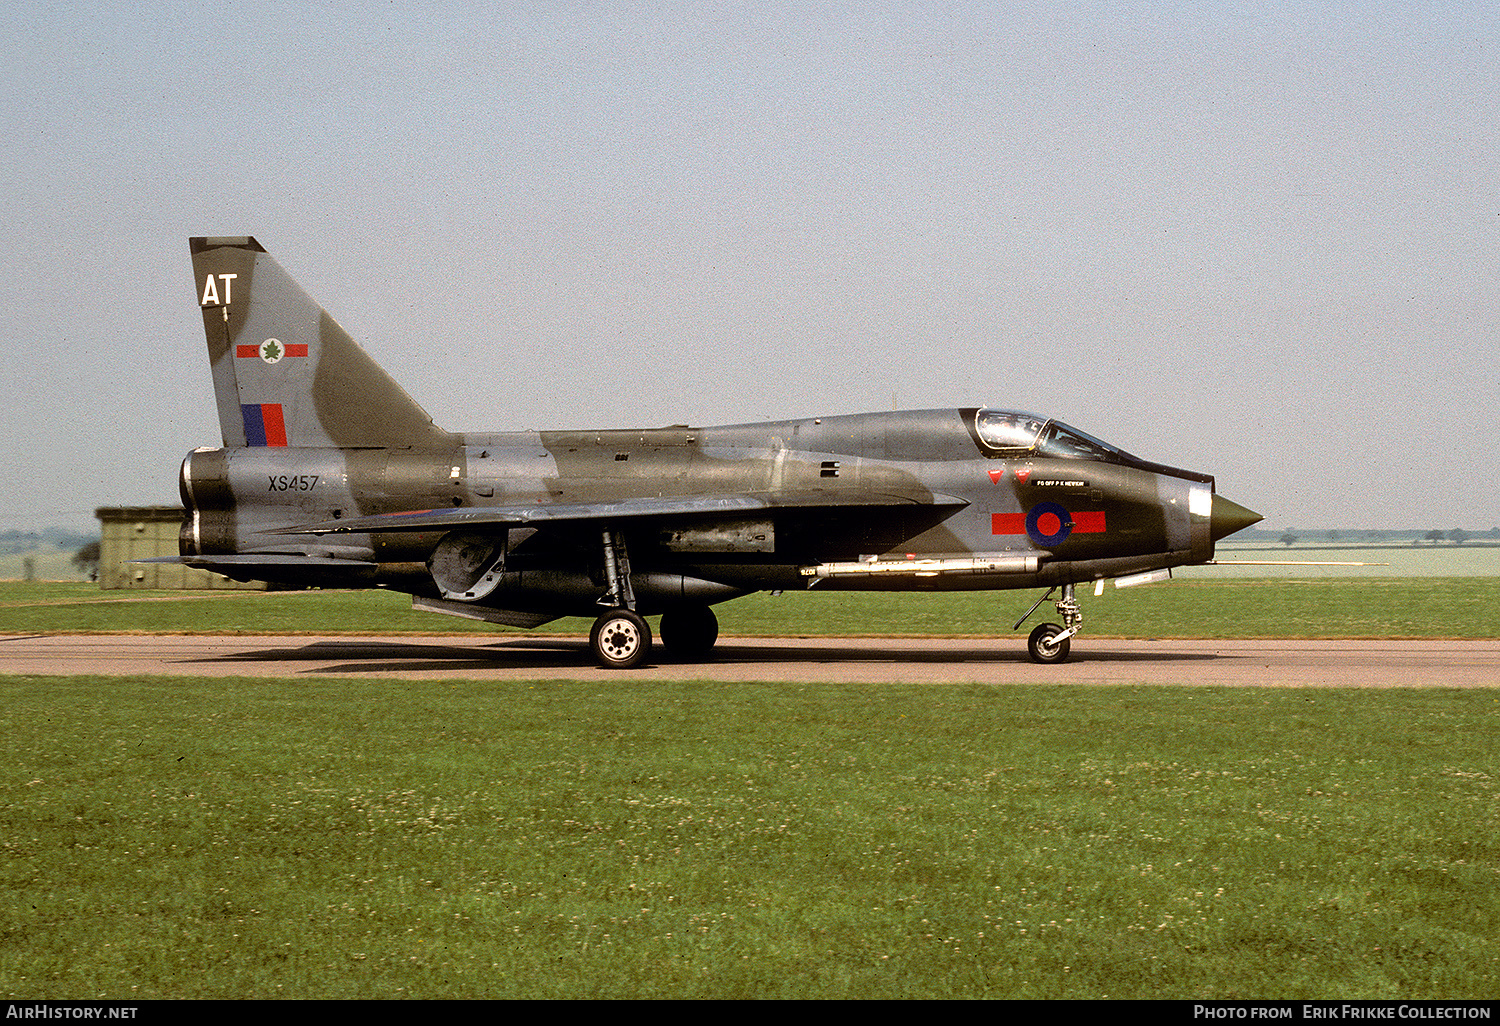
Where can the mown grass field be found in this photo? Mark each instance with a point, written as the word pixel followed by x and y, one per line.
pixel 1460 607
pixel 372 838
pixel 378 839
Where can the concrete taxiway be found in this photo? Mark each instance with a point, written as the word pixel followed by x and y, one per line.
pixel 1266 663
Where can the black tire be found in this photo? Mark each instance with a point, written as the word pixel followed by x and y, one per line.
pixel 689 632
pixel 1043 649
pixel 620 640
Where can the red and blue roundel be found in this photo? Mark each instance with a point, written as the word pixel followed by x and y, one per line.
pixel 1048 524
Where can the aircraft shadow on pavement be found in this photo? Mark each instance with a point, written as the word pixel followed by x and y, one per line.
pixel 365 656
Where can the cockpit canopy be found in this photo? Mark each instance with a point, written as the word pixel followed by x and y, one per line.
pixel 1012 433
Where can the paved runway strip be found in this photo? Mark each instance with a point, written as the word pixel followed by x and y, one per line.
pixel 1273 663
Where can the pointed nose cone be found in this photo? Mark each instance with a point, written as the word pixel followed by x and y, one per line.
pixel 1227 517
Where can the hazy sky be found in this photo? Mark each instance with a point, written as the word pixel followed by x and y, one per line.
pixel 1260 241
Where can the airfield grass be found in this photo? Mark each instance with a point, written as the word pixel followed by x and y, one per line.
pixel 1456 607
pixel 319 838
pixel 196 838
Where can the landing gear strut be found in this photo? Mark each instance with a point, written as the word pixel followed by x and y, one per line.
pixel 1050 643
pixel 621 638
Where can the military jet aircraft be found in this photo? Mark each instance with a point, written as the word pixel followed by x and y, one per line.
pixel 330 475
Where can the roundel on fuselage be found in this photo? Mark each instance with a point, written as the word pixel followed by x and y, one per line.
pixel 1048 524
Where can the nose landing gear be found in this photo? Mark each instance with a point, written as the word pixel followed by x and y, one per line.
pixel 1049 642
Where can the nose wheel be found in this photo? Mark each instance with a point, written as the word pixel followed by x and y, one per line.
pixel 1049 642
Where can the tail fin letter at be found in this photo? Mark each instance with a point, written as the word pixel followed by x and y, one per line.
pixel 284 372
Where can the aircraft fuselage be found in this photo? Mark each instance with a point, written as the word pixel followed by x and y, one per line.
pixel 1056 520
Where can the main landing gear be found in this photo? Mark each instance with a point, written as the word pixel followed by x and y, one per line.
pixel 621 638
pixel 1049 643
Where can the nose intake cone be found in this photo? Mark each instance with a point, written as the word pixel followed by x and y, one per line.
pixel 1227 517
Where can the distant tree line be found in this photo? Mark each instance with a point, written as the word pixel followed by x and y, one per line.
pixel 1456 535
pixel 16 542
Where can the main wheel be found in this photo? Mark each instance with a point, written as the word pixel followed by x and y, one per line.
pixel 1045 647
pixel 621 640
pixel 689 632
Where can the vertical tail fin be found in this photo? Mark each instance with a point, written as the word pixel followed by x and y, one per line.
pixel 284 372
